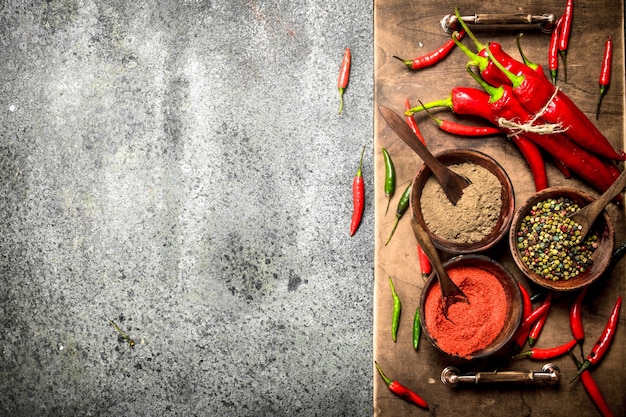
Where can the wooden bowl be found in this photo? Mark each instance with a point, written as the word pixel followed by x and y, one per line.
pixel 601 256
pixel 507 196
pixel 500 346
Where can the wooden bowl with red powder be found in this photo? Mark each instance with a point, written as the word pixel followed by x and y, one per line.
pixel 482 329
pixel 480 219
pixel 540 243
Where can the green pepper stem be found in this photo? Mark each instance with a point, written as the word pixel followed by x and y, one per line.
pixel 406 62
pixel 516 80
pixel 446 102
pixel 380 371
pixel 477 43
pixel 341 90
pixel 360 170
pixel 495 93
pixel 527 62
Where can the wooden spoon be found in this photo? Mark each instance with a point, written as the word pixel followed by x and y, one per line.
pixel 587 215
pixel 452 183
pixel 450 292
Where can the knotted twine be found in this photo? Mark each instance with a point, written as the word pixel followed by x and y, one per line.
pixel 515 128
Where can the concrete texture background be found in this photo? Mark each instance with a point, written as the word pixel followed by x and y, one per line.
pixel 180 167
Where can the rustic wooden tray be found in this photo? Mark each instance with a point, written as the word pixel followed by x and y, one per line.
pixel 409 28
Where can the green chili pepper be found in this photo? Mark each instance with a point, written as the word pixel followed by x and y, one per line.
pixel 403 205
pixel 417 328
pixel 397 309
pixel 390 177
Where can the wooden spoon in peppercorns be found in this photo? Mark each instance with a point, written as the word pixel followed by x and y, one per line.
pixel 450 292
pixel 586 216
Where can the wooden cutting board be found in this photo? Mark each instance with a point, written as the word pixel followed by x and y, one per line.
pixel 410 28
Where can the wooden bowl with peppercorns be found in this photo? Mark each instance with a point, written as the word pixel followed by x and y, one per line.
pixel 480 219
pixel 545 244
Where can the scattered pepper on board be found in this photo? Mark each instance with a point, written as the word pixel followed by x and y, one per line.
pixel 593 390
pixel 541 354
pixel 432 57
pixel 605 71
pixel 390 177
pixel 402 391
pixel 538 326
pixel 603 343
pixel 553 52
pixel 403 205
pixel 397 311
pixel 564 33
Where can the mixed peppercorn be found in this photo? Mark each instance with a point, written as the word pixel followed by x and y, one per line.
pixel 550 242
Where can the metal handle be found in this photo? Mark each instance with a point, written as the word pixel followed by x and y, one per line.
pixel 550 374
pixel 544 22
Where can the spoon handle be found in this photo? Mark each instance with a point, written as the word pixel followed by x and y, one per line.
pixel 427 245
pixel 598 206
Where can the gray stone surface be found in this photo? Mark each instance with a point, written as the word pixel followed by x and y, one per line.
pixel 180 168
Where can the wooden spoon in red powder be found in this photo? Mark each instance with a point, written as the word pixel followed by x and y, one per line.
pixel 470 327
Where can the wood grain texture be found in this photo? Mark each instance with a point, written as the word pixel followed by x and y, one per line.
pixel 409 28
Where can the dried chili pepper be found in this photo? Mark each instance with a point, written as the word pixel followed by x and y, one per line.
pixel 403 205
pixel 605 71
pixel 593 390
pixel 402 391
pixel 566 28
pixel 417 328
pixel 603 343
pixel 538 326
pixel 553 51
pixel 358 197
pixel 547 353
pixel 576 316
pixel 432 57
pixel 397 310
pixel 412 123
pixel 425 264
pixel 390 177
pixel 344 76
pixel 618 253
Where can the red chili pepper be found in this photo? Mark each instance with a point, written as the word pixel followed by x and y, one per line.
pixel 344 76
pixel 358 197
pixel 412 123
pixel 433 57
pixel 462 129
pixel 605 71
pixel 474 102
pixel 533 156
pixel 522 332
pixel 600 348
pixel 402 391
pixel 425 264
pixel 504 105
pixel 563 168
pixel 538 326
pixel 593 390
pixel 538 96
pixel 560 108
pixel 547 353
pixel 576 316
pixel 553 51
pixel 566 28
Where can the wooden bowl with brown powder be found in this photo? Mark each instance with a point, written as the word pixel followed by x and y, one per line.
pixel 485 327
pixel 480 219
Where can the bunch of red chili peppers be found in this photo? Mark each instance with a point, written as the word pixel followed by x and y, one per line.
pixel 518 99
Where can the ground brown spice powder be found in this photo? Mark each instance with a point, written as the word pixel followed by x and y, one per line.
pixel 475 214
pixel 472 326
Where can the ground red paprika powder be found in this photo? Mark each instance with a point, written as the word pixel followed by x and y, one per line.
pixel 472 326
